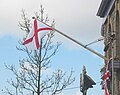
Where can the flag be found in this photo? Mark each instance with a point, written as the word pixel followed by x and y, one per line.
pixel 34 37
pixel 106 89
pixel 106 78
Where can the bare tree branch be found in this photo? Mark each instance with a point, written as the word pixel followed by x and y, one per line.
pixel 28 75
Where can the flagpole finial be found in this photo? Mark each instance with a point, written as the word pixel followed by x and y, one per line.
pixel 33 17
pixel 84 70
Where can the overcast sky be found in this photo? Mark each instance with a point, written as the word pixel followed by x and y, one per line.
pixel 76 18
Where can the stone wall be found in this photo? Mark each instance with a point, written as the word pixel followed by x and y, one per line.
pixel 112 26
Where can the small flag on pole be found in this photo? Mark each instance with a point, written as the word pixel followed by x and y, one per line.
pixel 34 37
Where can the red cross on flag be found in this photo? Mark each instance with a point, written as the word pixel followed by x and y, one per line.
pixel 107 75
pixel 34 37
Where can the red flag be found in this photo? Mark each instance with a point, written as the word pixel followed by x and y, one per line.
pixel 33 39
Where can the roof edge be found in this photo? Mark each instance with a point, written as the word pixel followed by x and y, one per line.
pixel 105 8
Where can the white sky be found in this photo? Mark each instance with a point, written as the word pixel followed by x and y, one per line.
pixel 74 17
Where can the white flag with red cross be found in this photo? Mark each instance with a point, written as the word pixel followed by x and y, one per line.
pixel 33 39
pixel 106 78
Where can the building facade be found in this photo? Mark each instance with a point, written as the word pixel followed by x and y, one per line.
pixel 109 10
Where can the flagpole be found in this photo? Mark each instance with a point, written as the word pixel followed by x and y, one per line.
pixel 98 54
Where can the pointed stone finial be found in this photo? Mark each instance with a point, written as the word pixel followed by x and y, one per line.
pixel 84 70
